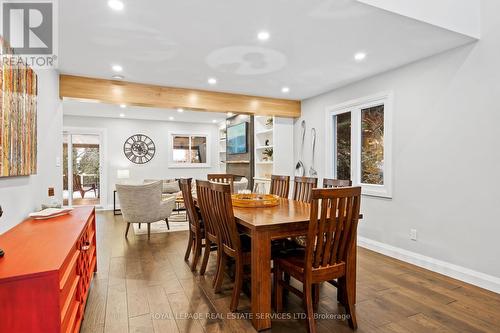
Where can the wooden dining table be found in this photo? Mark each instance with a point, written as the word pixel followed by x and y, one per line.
pixel 290 218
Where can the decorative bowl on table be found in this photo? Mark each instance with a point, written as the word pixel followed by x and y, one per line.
pixel 253 200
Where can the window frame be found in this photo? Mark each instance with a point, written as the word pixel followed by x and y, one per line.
pixel 174 165
pixel 355 106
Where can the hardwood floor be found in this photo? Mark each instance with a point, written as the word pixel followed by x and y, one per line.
pixel 145 286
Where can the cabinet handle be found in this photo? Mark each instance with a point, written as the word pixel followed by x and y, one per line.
pixel 86 246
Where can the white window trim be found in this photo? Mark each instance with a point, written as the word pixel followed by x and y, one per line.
pixel 174 165
pixel 355 106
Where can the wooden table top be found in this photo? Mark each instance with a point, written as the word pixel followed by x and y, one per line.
pixel 288 211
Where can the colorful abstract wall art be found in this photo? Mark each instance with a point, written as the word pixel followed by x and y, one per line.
pixel 18 118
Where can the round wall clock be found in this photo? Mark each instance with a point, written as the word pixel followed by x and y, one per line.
pixel 139 148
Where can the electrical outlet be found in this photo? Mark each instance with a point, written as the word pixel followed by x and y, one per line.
pixel 413 234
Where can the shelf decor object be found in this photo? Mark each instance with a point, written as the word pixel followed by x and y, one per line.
pixel 255 200
pixel 18 118
pixel 46 274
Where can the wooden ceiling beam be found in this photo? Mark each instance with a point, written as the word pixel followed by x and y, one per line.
pixel 137 94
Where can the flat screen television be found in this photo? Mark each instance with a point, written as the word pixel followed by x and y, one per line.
pixel 237 139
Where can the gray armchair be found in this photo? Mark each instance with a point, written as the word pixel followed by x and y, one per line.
pixel 144 204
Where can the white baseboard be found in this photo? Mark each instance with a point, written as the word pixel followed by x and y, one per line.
pixel 476 278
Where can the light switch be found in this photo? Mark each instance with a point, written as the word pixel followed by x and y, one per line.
pixel 58 161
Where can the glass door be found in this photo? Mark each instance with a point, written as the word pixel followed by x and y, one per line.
pixel 81 169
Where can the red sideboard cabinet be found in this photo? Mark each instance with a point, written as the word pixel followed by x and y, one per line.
pixel 46 273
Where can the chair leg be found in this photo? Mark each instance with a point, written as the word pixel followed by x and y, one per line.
pixel 206 255
pixel 149 230
pixel 278 289
pixel 126 230
pixel 341 288
pixel 308 300
pixel 168 225
pixel 220 272
pixel 238 282
pixel 197 253
pixel 190 244
pixel 217 268
pixel 286 279
pixel 350 289
pixel 315 291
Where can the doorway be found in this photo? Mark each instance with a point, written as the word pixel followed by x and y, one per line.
pixel 82 168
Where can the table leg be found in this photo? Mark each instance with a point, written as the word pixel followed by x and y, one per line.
pixel 261 280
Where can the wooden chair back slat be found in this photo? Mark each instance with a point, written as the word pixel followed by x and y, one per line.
pixel 187 195
pixel 333 226
pixel 334 183
pixel 224 216
pixel 302 188
pixel 331 231
pixel 224 178
pixel 280 185
pixel 204 199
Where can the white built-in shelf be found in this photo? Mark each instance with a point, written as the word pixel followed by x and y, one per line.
pixel 222 151
pixel 267 131
pixel 264 147
pixel 264 162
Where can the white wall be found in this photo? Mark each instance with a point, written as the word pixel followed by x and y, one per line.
pixel 21 195
pixel 118 130
pixel 446 153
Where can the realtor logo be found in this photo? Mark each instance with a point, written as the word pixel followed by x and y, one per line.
pixel 29 29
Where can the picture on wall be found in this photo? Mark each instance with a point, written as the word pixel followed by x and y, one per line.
pixel 18 118
pixel 237 139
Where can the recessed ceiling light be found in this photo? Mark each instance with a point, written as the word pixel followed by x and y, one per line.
pixel 180 110
pixel 360 56
pixel 117 68
pixel 117 77
pixel 214 121
pixel 230 114
pixel 122 115
pixel 123 106
pixel 212 81
pixel 263 35
pixel 115 4
pixel 170 118
pixel 285 90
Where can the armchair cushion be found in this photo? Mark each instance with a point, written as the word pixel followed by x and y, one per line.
pixel 168 185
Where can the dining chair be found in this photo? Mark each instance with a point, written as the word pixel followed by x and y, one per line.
pixel 225 178
pixel 232 243
pixel 280 185
pixel 329 255
pixel 302 188
pixel 334 183
pixel 212 234
pixel 144 204
pixel 196 232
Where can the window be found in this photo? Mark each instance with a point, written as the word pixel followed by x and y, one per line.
pixel 343 145
pixel 360 144
pixel 189 150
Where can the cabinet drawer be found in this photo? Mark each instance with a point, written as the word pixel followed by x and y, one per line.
pixel 68 300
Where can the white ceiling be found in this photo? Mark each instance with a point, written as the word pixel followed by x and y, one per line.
pixel 89 109
pixel 183 43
